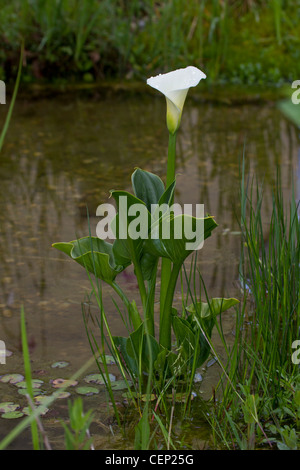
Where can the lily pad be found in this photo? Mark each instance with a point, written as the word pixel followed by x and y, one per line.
pixel 120 384
pixel 144 397
pixel 8 406
pixel 12 378
pixel 88 391
pixel 27 411
pixel 62 383
pixel 24 391
pixel 62 395
pixel 40 399
pixel 98 379
pixel 180 397
pixel 36 383
pixel 60 364
pixel 12 415
pixel 109 360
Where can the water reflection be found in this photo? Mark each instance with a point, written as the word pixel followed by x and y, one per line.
pixel 62 156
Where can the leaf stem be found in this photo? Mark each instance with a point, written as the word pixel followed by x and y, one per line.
pixel 166 320
pixel 166 263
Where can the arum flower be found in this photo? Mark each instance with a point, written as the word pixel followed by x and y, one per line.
pixel 175 86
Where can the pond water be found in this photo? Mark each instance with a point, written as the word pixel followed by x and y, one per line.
pixel 64 154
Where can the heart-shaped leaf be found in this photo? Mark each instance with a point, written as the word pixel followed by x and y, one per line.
pixel 215 306
pixel 130 228
pixel 147 186
pixel 93 254
pixel 175 245
pixel 149 190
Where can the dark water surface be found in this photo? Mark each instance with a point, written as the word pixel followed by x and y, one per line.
pixel 62 155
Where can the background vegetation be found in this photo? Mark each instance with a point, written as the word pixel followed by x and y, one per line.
pixel 233 41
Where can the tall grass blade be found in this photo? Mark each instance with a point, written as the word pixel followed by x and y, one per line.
pixel 28 378
pixel 12 103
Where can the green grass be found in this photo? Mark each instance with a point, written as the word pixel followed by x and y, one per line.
pixel 28 378
pixel 260 365
pixel 89 40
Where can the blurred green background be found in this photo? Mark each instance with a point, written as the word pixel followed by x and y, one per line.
pixel 236 42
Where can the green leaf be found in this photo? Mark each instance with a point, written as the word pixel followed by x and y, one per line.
pixel 202 316
pixel 148 263
pixel 167 196
pixel 12 415
pixel 290 110
pixel 148 187
pixel 134 315
pixel 144 346
pixel 250 409
pixel 8 406
pixel 93 254
pixel 126 247
pixel 131 364
pixel 186 338
pixel 142 432
pixel 215 306
pixel 12 378
pixel 87 391
pixel 172 247
pixel 149 260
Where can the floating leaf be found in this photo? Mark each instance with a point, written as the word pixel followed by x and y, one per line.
pixel 24 391
pixel 60 364
pixel 12 378
pixel 144 397
pixel 121 384
pixel 62 395
pixel 109 360
pixel 62 383
pixel 12 415
pixel 98 379
pixel 88 391
pixel 40 399
pixel 93 254
pixel 8 406
pixel 27 411
pixel 180 397
pixel 36 383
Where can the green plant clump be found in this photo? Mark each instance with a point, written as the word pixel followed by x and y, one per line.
pixel 89 40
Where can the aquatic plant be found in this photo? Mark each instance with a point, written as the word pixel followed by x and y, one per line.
pixel 260 363
pixel 150 361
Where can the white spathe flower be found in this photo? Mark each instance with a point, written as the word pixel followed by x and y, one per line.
pixel 175 85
